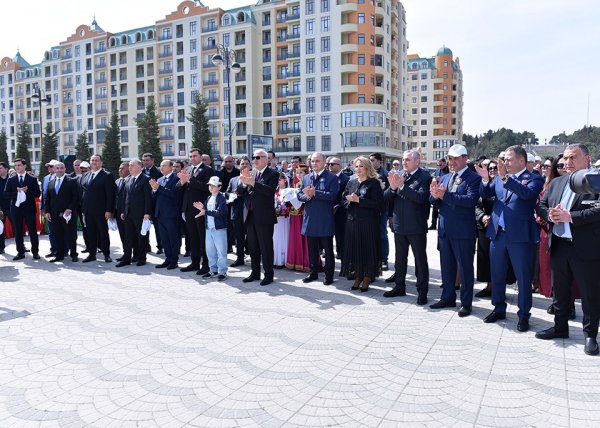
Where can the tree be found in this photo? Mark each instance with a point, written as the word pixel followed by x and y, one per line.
pixel 111 153
pixel 149 134
pixel 3 146
pixel 49 149
pixel 23 144
pixel 200 132
pixel 82 148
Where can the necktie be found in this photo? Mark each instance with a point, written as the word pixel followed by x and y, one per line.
pixel 451 182
pixel 407 176
pixel 57 186
pixel 194 169
pixel 564 229
pixel 92 176
pixel 258 176
pixel 20 181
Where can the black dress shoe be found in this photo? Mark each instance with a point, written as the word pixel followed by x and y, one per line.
pixel 523 325
pixel 384 266
pixel 140 263
pixel 550 309
pixel 572 313
pixel 237 263
pixel 432 227
pixel 159 251
pixel 162 265
pixel 74 258
pixel 251 278
pixel 189 268
pixel 50 255
pixel 89 259
pixel 591 346
pixel 19 256
pixel 395 292
pixel 328 281
pixel 391 278
pixel 422 300
pixel 36 256
pixel 85 250
pixel 202 271
pixel 266 281
pixel 310 278
pixel 1 250
pixel 122 263
pixel 464 311
pixel 551 333
pixel 171 267
pixel 119 258
pixel 56 259
pixel 493 317
pixel 486 292
pixel 187 254
pixel 443 304
pixel 107 259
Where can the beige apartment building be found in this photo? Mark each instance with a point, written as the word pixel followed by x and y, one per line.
pixel 326 75
pixel 434 104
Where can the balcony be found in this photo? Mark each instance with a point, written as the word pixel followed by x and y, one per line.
pixel 101 110
pixel 67 114
pixel 166 104
pixel 214 134
pixel 209 46
pixel 165 54
pixel 139 58
pixel 287 74
pixel 240 96
pixel 141 106
pixel 101 96
pixel 240 114
pixel 67 56
pixel 168 153
pixel 292 36
pixel 208 65
pixel 210 82
pixel 209 28
pixel 240 77
pixel 266 77
pixel 68 129
pixel 165 71
pixel 212 116
pixel 99 80
pixel 66 71
pixel 163 37
pixel 294 147
pixel 166 120
pixel 67 86
pixel 292 93
pixel 165 88
pixel 100 50
pixel 239 42
pixel 139 74
pixel 211 99
pixel 167 137
pixel 101 126
pixel 67 100
pixel 292 16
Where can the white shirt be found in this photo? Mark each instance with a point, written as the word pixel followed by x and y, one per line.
pixel 210 206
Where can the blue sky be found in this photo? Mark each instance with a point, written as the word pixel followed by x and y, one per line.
pixel 527 64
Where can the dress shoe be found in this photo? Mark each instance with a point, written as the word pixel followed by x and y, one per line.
pixel 422 299
pixel 486 292
pixel 551 333
pixel 122 263
pixel 443 304
pixel 365 284
pixel 202 271
pixel 251 278
pixel 384 266
pixel 550 309
pixel 19 256
pixel 56 259
pixel 464 311
pixel 237 263
pixel 119 258
pixel 572 313
pixel 171 267
pixel 391 278
pixel 89 259
pixel 85 250
pixel 221 277
pixel 310 278
pixel 140 263
pixel 351 276
pixel 36 256
pixel 162 265
pixel 591 346
pixel 493 317
pixel 356 284
pixel 432 227
pixel 107 259
pixel 1 250
pixel 134 260
pixel 328 281
pixel 187 254
pixel 266 281
pixel 50 255
pixel 188 268
pixel 159 251
pixel 74 259
pixel 395 292
pixel 523 325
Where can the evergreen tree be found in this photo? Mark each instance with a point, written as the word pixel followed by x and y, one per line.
pixel 111 153
pixel 82 148
pixel 49 149
pixel 200 131
pixel 3 146
pixel 149 134
pixel 24 143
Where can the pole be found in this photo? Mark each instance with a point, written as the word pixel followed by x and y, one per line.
pixel 228 68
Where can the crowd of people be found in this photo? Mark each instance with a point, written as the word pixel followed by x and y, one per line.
pixel 516 213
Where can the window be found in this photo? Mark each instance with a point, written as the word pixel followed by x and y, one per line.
pixel 310 65
pixel 325 84
pixel 414 110
pixel 310 124
pixel 413 88
pixel 326 103
pixel 194 80
pixel 361 39
pixel 326 143
pixel 310 105
pixel 424 133
pixel 423 110
pixel 193 28
pixel 310 46
pixel 325 24
pixel 310 7
pixel 414 100
pixel 361 18
pixel 193 63
pixel 310 27
pixel 423 121
pixel 325 123
pixel 310 144
pixel 361 79
pixel 361 59
pixel 324 5
pixel 325 64
pixel 423 87
pixel 325 44
pixel 423 99
pixel 414 77
pixel 445 63
pixel 361 98
pixel 310 86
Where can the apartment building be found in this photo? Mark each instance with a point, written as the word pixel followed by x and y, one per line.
pixel 326 75
pixel 434 104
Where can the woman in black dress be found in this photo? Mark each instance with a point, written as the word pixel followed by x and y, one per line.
pixel 364 202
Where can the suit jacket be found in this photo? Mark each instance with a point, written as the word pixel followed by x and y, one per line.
pixel 411 204
pixel 33 191
pixel 237 206
pixel 370 204
pixel 343 180
pixel 120 195
pixel 66 198
pixel 318 217
pixel 152 172
pixel 99 194
pixel 165 198
pixel 196 190
pixel 585 217
pixel 45 183
pixel 515 201
pixel 138 197
pixel 457 209
pixel 219 214
pixel 261 197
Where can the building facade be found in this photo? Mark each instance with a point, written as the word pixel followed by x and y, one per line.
pixel 434 104
pixel 326 75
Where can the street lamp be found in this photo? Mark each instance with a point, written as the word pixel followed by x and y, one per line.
pixel 37 97
pixel 226 58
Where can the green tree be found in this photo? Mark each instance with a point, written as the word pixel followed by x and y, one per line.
pixel 200 131
pixel 3 146
pixel 149 134
pixel 588 135
pixel 49 149
pixel 111 153
pixel 82 148
pixel 24 143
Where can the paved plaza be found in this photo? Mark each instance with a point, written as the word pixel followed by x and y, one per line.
pixel 92 345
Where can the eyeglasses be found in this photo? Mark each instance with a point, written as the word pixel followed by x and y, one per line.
pixel 258 157
pixel 332 164
pixel 560 166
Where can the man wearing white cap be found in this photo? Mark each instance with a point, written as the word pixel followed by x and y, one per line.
pixel 597 164
pixel 456 195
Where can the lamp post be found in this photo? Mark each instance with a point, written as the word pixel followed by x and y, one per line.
pixel 37 97
pixel 226 58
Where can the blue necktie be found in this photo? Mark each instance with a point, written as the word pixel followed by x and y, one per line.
pixel 57 186
pixel 563 230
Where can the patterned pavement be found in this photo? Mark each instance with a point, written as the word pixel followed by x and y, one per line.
pixel 85 345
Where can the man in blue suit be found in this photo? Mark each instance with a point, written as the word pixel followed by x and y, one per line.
pixel 512 230
pixel 319 191
pixel 456 195
pixel 166 211
pixel 339 216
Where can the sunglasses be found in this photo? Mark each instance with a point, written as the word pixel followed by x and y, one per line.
pixel 258 157
pixel 546 166
pixel 493 168
pixel 560 166
pixel 332 164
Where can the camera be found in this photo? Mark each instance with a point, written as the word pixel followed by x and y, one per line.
pixel 585 181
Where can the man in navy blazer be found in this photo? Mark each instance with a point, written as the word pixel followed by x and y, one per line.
pixel 456 195
pixel 319 192
pixel 409 195
pixel 512 230
pixel 339 210
pixel 166 212
pixel 25 212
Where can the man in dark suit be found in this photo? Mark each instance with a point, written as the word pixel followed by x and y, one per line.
pixel 456 195
pixel 228 171
pixel 409 196
pixel 194 183
pixel 120 201
pixel 574 221
pixel 339 215
pixel 441 170
pixel 62 198
pixel 319 191
pixel 261 185
pixel 138 208
pixel 166 210
pixel 238 213
pixel 4 201
pixel 152 172
pixel 97 206
pixel 512 230
pixel 24 212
